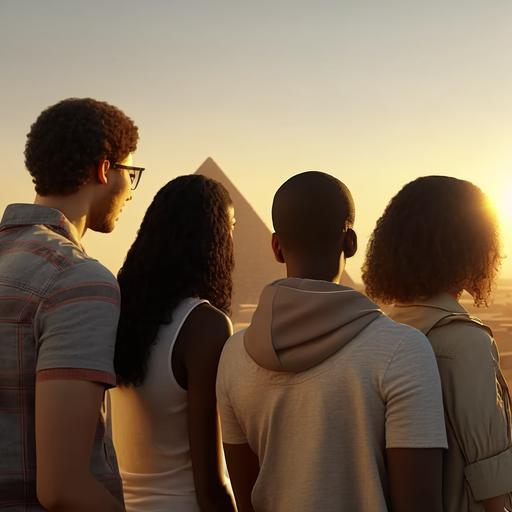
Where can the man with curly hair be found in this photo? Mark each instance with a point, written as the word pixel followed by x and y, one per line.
pixel 59 310
pixel 325 403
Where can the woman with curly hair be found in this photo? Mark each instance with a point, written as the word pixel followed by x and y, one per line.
pixel 176 287
pixel 438 237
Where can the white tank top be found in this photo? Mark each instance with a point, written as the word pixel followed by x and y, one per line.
pixel 150 430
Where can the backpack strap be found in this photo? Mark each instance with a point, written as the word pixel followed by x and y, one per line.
pixel 448 318
pixel 462 317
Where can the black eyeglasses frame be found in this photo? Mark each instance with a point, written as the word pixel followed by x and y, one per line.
pixel 135 172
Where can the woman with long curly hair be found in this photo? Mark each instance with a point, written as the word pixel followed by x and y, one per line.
pixel 437 238
pixel 176 287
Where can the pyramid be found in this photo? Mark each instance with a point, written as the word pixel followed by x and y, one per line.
pixel 255 265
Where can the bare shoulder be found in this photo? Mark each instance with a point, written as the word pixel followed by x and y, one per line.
pixel 210 320
pixel 206 329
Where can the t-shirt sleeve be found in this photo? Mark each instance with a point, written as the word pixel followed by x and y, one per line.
pixel 478 409
pixel 413 397
pixel 232 432
pixel 76 326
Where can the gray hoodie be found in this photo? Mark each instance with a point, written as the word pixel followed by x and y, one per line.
pixel 301 322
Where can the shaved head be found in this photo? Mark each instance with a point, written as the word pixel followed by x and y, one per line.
pixel 311 211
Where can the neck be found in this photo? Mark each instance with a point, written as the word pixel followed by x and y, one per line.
pixel 75 207
pixel 455 294
pixel 320 271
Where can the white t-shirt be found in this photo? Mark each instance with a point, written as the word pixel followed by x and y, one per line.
pixel 320 435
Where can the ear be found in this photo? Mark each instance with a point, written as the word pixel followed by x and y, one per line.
pixel 276 247
pixel 349 243
pixel 101 171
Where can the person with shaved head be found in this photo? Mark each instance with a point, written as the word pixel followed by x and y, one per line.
pixel 325 403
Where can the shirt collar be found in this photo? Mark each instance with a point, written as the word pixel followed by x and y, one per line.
pixel 442 301
pixel 26 214
pixel 425 314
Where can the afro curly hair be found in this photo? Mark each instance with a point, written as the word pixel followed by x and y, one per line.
pixel 68 140
pixel 438 234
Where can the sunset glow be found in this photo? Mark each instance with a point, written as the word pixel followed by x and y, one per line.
pixel 503 205
pixel 375 94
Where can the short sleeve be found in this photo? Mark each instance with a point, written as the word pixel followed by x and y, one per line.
pixel 232 432
pixel 412 392
pixel 477 409
pixel 76 324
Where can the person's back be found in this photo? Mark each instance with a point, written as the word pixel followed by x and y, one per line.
pixel 59 311
pixel 320 434
pixel 176 291
pixel 325 403
pixel 478 462
pixel 150 429
pixel 462 252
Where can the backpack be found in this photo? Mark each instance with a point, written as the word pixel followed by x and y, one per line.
pixel 445 318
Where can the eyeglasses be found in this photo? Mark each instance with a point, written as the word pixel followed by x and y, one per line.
pixel 135 173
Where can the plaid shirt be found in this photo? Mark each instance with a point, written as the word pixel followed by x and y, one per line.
pixel 58 318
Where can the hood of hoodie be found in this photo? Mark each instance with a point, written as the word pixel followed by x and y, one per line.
pixel 301 322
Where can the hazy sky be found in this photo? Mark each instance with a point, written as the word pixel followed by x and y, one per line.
pixel 377 93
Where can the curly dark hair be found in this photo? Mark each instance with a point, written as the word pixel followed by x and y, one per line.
pixel 184 248
pixel 438 234
pixel 68 140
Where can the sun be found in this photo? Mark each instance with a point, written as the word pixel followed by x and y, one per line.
pixel 502 203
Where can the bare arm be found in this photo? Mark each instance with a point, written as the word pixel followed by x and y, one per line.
pixel 199 345
pixel 415 479
pixel 66 419
pixel 243 466
pixel 494 504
